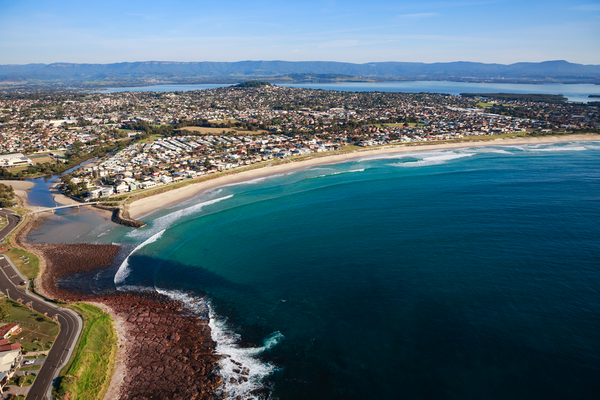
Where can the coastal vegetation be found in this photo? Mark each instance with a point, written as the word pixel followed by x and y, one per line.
pixel 88 372
pixel 7 195
pixel 252 84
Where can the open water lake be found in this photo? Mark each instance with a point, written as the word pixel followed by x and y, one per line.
pixel 573 92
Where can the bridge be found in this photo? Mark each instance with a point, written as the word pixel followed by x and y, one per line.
pixel 51 209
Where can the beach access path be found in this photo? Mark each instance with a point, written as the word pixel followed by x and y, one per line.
pixel 70 323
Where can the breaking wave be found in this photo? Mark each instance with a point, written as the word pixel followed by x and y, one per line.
pixel 565 148
pixel 124 270
pixel 253 181
pixel 439 158
pixel 242 371
pixel 166 221
pixel 340 172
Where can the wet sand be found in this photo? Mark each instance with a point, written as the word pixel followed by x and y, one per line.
pixel 152 203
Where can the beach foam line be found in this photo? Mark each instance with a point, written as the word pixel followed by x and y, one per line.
pixel 439 158
pixel 239 363
pixel 253 181
pixel 124 270
pixel 339 173
pixel 166 221
pixel 561 148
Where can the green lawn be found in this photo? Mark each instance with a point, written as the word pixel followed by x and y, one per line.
pixel 484 105
pixel 35 357
pixel 150 138
pixel 39 332
pixel 88 373
pixel 31 368
pixel 30 270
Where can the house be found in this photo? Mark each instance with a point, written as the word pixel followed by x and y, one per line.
pixel 93 194
pixel 7 330
pixel 10 360
pixel 107 191
pixel 122 188
pixel 147 184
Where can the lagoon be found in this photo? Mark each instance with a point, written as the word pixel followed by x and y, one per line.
pixel 573 92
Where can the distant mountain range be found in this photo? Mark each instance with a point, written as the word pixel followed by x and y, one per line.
pixel 162 72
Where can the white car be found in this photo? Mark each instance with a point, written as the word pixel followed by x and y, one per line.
pixel 27 362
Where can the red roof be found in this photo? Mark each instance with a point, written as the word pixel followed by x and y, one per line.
pixel 9 347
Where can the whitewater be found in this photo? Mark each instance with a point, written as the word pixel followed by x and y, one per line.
pixel 427 271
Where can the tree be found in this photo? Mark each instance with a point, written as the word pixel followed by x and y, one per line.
pixel 4 309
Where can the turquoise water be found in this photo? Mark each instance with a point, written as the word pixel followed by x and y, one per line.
pixel 573 92
pixel 447 274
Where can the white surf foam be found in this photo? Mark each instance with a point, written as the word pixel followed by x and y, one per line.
pixel 124 270
pixel 487 150
pixel 341 172
pixel 241 364
pixel 432 160
pixel 562 148
pixel 253 181
pixel 242 371
pixel 166 221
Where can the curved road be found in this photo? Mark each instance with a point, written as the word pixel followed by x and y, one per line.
pixel 70 323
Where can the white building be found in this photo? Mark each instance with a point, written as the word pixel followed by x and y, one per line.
pixel 14 160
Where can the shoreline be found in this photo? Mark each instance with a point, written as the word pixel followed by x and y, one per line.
pixel 152 203
pixel 157 337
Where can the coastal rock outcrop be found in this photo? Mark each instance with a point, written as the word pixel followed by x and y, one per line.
pixel 121 216
pixel 168 351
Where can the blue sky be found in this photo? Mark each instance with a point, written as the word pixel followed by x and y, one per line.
pixel 34 31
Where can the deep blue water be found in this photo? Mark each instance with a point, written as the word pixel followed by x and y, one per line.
pixel 573 92
pixel 447 274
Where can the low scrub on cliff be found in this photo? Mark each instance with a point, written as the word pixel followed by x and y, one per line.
pixel 87 375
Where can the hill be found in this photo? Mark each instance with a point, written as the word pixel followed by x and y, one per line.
pixel 157 72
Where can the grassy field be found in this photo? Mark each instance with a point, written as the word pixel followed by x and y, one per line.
pixel 88 373
pixel 30 270
pixel 484 105
pixel 150 138
pixel 41 158
pixel 218 131
pixel 39 332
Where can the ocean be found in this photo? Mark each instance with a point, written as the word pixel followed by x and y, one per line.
pixel 573 92
pixel 441 274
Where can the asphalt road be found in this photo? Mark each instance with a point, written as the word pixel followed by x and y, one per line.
pixel 13 221
pixel 70 324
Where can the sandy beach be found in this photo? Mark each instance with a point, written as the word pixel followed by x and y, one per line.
pixel 149 204
pixel 21 188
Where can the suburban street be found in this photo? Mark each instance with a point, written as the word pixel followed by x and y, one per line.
pixel 70 323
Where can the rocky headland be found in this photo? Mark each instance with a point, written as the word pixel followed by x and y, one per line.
pixel 167 350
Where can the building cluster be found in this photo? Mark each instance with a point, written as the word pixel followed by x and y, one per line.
pixel 254 125
pixel 167 160
pixel 11 354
